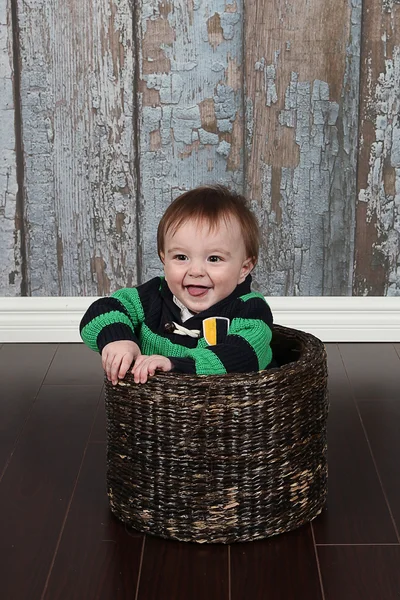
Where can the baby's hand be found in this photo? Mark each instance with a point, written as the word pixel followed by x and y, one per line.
pixel 117 357
pixel 147 365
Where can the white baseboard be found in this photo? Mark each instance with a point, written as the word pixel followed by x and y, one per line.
pixel 332 319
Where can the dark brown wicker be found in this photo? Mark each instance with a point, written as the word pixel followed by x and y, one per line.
pixel 226 458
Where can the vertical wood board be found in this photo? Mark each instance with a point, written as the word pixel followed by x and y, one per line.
pixel 10 219
pixel 301 87
pixel 262 96
pixel 191 106
pixel 77 110
pixel 377 264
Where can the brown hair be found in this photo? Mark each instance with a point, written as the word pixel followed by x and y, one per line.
pixel 211 203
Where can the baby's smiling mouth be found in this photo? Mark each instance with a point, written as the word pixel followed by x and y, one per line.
pixel 197 290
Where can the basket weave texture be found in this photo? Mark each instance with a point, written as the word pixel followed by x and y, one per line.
pixel 222 458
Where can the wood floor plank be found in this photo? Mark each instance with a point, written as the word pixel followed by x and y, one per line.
pixel 99 428
pixel 356 510
pixel 75 364
pixel 373 370
pixel 382 423
pixel 97 558
pixel 37 486
pixel 360 572
pixel 182 571
pixel 38 483
pixel 22 370
pixel 259 570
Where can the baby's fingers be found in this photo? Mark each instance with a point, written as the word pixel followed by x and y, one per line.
pixel 139 360
pixel 115 367
pixel 104 358
pixel 140 370
pixel 138 365
pixel 107 361
pixel 125 364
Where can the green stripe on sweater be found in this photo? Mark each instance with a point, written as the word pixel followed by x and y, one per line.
pixel 206 362
pixel 130 299
pixel 252 295
pixel 153 343
pixel 257 334
pixel 91 331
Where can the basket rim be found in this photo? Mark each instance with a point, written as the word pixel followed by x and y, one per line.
pixel 310 342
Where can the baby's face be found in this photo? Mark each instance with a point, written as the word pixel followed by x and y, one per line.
pixel 203 267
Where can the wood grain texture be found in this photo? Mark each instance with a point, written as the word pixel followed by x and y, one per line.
pixel 99 431
pixel 360 572
pixel 77 108
pixel 382 423
pixel 19 392
pixel 96 556
pixel 182 571
pixel 381 379
pixel 121 106
pixel 37 486
pixel 10 217
pixel 260 570
pixel 84 366
pixel 191 113
pixel 377 264
pixel 301 96
pixel 102 562
pixel 356 511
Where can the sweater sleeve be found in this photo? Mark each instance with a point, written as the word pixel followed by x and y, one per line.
pixel 246 347
pixel 112 319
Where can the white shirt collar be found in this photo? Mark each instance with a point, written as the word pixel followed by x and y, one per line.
pixel 185 312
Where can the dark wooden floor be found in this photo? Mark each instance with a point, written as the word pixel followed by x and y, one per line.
pixel 58 540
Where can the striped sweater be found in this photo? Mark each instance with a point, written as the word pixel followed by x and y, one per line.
pixel 149 316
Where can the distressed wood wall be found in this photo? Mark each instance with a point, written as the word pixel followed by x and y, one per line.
pixel 191 105
pixel 77 73
pixel 10 208
pixel 377 260
pixel 112 108
pixel 301 83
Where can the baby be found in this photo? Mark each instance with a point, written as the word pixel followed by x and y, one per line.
pixel 201 317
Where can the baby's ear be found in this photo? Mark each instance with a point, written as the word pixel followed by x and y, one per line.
pixel 162 257
pixel 247 266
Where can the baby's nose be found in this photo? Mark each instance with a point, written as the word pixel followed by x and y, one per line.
pixel 196 269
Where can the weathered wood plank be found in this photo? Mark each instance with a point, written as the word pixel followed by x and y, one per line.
pixel 301 86
pixel 10 218
pixel 377 264
pixel 77 110
pixel 191 117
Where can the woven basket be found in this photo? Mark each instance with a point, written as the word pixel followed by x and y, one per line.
pixel 222 458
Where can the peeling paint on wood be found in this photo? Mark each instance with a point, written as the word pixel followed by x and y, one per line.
pixel 301 83
pixel 288 137
pixel 10 222
pixel 377 266
pixel 191 106
pixel 77 110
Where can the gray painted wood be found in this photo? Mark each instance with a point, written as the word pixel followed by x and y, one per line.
pixel 77 111
pixel 125 105
pixel 302 82
pixel 191 117
pixel 10 221
pixel 377 266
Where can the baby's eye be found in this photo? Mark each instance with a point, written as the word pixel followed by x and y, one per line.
pixel 180 257
pixel 214 258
